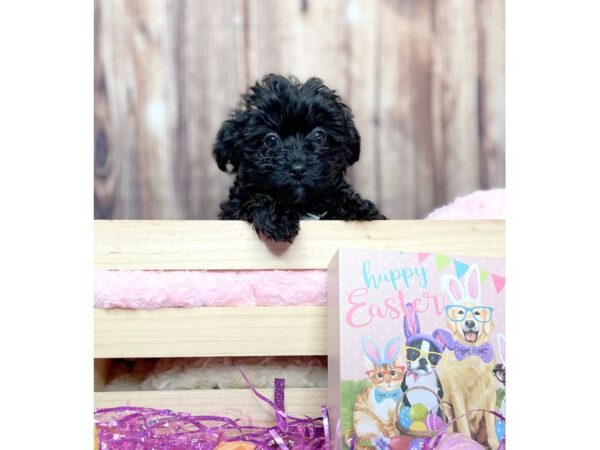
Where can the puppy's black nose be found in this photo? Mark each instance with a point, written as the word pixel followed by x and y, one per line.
pixel 470 324
pixel 298 171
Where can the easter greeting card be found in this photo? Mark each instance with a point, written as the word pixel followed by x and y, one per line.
pixel 416 340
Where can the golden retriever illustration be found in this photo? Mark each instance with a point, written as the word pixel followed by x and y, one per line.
pixel 466 372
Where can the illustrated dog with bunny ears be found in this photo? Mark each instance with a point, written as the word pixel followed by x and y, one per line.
pixel 466 372
pixel 375 407
pixel 423 354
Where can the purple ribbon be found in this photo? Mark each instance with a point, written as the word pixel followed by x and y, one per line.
pixel 129 428
pixel 326 427
pixel 279 397
pixel 484 351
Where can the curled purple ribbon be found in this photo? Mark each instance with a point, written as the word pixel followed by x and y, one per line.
pixel 132 428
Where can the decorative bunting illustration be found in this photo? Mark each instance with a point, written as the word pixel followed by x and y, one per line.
pixel 442 261
pixel 498 283
pixel 422 257
pixel 461 268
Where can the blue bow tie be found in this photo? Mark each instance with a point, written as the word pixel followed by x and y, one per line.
pixel 485 351
pixel 382 395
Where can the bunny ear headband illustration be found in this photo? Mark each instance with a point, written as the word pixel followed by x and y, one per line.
pixel 459 293
pixel 390 351
pixel 411 322
pixel 412 329
pixel 501 339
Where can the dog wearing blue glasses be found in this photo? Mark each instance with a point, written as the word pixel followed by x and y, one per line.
pixel 423 352
pixel 467 371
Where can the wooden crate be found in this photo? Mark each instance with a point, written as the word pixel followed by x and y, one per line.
pixel 244 331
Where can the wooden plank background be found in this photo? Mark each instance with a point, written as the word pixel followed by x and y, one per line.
pixel 425 79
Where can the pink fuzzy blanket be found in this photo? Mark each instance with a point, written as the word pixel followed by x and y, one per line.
pixel 137 289
pixel 478 205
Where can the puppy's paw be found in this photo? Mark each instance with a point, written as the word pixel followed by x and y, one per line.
pixel 278 229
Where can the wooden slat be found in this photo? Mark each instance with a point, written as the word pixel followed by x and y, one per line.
pixel 492 92
pixel 101 368
pixel 231 402
pixel 234 245
pixel 116 191
pixel 210 331
pixel 210 52
pixel 455 95
pixel 404 144
pixel 364 92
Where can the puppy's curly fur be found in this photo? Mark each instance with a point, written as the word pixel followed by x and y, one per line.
pixel 289 144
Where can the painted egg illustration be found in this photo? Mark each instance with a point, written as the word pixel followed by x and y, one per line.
pixel 418 412
pixel 433 422
pixel 500 429
pixel 418 426
pixel 404 419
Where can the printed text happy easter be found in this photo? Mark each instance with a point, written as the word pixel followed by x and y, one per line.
pixel 365 304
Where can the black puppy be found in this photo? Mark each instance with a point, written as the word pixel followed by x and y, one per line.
pixel 289 145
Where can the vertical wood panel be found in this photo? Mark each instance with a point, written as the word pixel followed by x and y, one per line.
pixel 456 88
pixel 285 38
pixel 425 79
pixel 105 176
pixel 156 106
pixel 116 181
pixel 404 144
pixel 492 93
pixel 212 67
pixel 361 36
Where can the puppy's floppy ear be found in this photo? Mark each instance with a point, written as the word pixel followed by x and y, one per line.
pixel 353 151
pixel 227 149
pixel 316 85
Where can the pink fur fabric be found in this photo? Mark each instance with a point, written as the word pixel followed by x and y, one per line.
pixel 141 289
pixel 478 205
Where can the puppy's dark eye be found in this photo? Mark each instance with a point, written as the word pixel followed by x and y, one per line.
pixel 271 140
pixel 318 135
